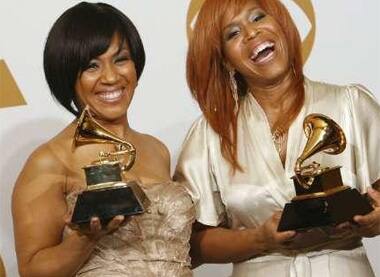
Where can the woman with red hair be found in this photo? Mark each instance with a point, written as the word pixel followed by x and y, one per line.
pixel 244 68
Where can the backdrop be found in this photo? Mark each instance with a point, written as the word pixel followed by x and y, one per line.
pixel 341 41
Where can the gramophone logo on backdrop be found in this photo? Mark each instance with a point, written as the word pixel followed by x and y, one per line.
pixel 10 94
pixel 305 5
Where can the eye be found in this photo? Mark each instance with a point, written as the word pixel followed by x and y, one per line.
pixel 92 66
pixel 256 16
pixel 121 59
pixel 233 32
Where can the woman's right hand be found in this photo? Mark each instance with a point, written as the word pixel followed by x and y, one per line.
pixel 95 231
pixel 272 239
pixel 224 245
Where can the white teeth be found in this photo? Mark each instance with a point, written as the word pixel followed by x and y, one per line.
pixel 110 95
pixel 260 48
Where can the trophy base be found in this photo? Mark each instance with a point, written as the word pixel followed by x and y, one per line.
pixel 332 209
pixel 107 203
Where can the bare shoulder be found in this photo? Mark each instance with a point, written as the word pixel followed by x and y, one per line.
pixel 41 170
pixel 44 158
pixel 44 167
pixel 154 145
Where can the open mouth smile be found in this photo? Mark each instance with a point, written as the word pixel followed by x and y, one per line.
pixel 110 96
pixel 263 52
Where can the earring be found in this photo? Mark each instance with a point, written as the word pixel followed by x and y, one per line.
pixel 234 89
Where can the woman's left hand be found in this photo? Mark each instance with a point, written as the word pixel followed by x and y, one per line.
pixel 369 225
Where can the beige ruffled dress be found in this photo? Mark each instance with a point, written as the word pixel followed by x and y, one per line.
pixel 153 244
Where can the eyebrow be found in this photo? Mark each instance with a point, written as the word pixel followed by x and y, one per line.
pixel 234 23
pixel 122 47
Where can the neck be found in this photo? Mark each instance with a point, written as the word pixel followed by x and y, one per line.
pixel 120 127
pixel 275 98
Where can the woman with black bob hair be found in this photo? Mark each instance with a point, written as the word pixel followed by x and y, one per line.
pixel 78 35
pixel 94 57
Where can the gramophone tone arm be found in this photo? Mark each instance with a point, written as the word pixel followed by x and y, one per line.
pixel 122 150
pixel 128 150
pixel 121 153
pixel 305 174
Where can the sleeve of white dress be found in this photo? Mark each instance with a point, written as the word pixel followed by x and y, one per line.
pixel 194 170
pixel 366 119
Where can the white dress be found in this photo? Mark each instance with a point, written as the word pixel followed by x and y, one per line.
pixel 246 199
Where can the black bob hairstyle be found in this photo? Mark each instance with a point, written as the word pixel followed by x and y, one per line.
pixel 80 34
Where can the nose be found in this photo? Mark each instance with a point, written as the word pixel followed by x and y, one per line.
pixel 110 74
pixel 250 32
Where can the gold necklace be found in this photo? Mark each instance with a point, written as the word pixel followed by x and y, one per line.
pixel 279 138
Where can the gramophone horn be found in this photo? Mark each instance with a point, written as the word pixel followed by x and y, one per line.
pixel 90 131
pixel 323 134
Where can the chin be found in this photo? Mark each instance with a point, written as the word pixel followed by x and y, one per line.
pixel 114 115
pixel 109 115
pixel 278 73
pixel 112 119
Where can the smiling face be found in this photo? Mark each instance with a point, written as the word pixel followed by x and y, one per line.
pixel 108 82
pixel 255 45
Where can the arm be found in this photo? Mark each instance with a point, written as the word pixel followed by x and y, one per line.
pixel 365 112
pixel 222 245
pixel 39 208
pixel 217 244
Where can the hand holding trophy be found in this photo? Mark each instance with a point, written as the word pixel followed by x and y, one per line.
pixel 321 198
pixel 106 195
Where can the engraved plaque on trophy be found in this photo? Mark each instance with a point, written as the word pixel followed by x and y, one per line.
pixel 107 194
pixel 321 197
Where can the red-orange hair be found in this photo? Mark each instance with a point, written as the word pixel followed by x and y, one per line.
pixel 208 77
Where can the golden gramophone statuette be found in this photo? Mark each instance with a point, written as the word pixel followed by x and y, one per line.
pixel 107 194
pixel 321 198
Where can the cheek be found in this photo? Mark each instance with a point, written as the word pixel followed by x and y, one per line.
pixel 85 84
pixel 83 88
pixel 130 75
pixel 276 29
pixel 232 54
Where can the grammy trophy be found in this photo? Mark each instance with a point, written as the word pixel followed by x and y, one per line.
pixel 107 194
pixel 321 197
